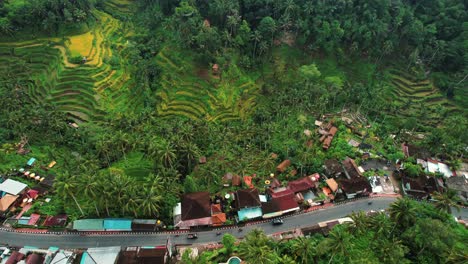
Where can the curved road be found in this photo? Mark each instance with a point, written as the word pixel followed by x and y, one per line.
pixel 73 240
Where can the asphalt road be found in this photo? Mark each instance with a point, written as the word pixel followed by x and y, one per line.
pixel 129 239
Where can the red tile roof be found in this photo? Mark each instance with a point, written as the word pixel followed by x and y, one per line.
pixel 301 185
pixel 283 165
pixel 216 209
pixel 219 219
pixel 34 218
pixel 58 220
pixel 286 203
pixel 283 194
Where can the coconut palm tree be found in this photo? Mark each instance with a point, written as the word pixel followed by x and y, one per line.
pixel 91 188
pixel 338 242
pixel 255 248
pixel 67 187
pixel 151 199
pixel 446 200
pixel 361 222
pixel 304 249
pixel 403 213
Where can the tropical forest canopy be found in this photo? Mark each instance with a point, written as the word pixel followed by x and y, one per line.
pixel 155 85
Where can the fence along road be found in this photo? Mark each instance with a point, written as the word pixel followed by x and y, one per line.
pixel 100 239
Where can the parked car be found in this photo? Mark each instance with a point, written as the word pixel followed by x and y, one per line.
pixel 192 236
pixel 277 222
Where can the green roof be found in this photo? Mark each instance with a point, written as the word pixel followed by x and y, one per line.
pixel 89 224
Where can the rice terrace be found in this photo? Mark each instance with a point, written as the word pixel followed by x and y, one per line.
pixel 233 131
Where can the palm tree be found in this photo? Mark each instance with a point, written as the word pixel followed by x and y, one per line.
pixel 91 189
pixel 166 154
pixel 190 152
pixel 255 248
pixel 151 199
pixel 67 187
pixel 445 201
pixel 403 213
pixel 361 222
pixel 338 241
pixel 381 225
pixel 304 249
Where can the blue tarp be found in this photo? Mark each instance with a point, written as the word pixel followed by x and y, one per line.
pixel 31 161
pixel 118 224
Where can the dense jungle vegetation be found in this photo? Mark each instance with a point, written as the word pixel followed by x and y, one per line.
pixel 149 100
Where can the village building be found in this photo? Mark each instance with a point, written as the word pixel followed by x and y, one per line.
pixel 351 170
pixel 421 187
pixel 143 224
pixel 283 166
pixel 460 185
pixel 333 168
pixel 194 210
pixel 56 221
pixel 144 255
pixel 6 202
pixel 355 187
pixel 217 215
pixel 101 255
pixel 248 204
pixel 282 201
pixel 303 188
pixel 12 187
pixel 89 225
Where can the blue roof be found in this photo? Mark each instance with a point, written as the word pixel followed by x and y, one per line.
pixel 31 161
pixel 88 225
pixel 118 224
pixel 249 213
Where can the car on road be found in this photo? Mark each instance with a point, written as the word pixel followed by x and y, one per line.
pixel 277 222
pixel 192 236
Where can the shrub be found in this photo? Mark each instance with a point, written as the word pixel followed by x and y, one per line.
pixel 76 59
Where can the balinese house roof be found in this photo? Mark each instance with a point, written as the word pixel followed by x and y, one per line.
pixel 301 185
pixel 287 204
pixel 48 181
pixel 286 193
pixel 283 165
pixel 196 205
pixel 333 167
pixel 332 184
pixel 6 201
pixel 216 209
pixel 360 184
pixel 34 219
pixel 351 168
pixel 32 194
pixel 143 224
pixel 236 180
pixel 57 220
pixel 218 219
pixel 247 198
pixel 329 138
pixel 154 255
pixel 15 257
pixel 34 259
pixel 248 181
pixel 275 183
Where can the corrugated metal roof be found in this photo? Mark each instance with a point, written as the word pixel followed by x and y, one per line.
pixel 118 224
pixel 89 224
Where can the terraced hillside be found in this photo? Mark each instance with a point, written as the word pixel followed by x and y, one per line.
pixel 84 90
pixel 419 98
pixel 194 92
